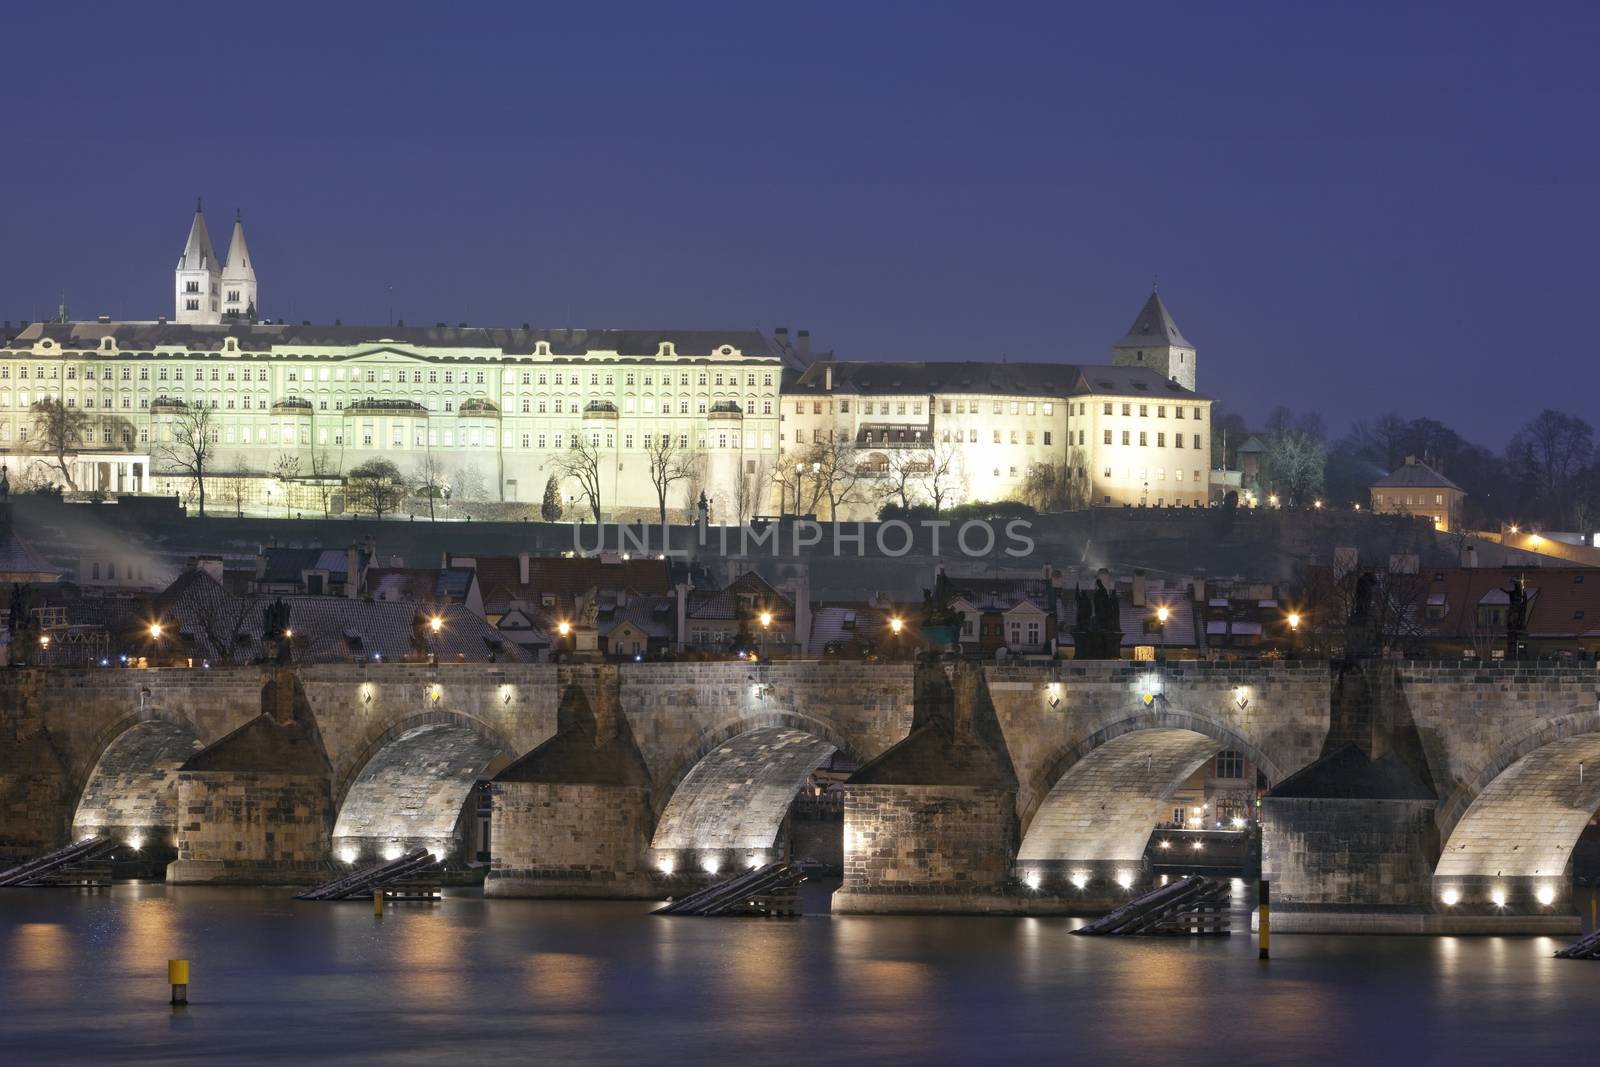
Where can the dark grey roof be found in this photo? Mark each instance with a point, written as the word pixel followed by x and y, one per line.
pixel 1005 379
pixel 1154 326
pixel 1414 474
pixel 329 629
pixel 283 337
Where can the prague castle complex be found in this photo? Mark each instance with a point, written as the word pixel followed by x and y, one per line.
pixel 755 421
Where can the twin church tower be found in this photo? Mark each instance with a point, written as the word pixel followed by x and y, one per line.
pixel 209 293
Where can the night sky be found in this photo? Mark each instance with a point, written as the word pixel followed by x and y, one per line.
pixel 1349 207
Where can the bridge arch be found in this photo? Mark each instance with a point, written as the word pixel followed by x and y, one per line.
pixel 129 791
pixel 727 795
pixel 1095 804
pixel 410 783
pixel 1508 833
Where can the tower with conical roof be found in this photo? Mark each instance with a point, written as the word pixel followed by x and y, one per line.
pixel 238 277
pixel 199 276
pixel 1154 341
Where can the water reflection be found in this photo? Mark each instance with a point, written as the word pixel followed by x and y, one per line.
pixel 564 981
pixel 81 979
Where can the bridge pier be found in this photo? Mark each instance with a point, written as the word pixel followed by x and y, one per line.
pixel 256 807
pixel 573 817
pixel 931 825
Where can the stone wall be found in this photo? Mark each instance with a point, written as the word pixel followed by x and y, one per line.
pixel 927 849
pixel 570 839
pixel 1347 852
pixel 254 828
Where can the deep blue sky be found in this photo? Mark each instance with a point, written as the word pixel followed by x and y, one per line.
pixel 1350 207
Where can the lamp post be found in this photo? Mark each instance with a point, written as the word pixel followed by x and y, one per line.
pixel 765 618
pixel 1294 633
pixel 1162 615
pixel 564 631
pixel 897 626
pixel 799 473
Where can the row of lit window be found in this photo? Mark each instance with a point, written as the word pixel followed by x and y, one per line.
pixel 1130 475
pixel 1144 439
pixel 477 377
pixel 1161 410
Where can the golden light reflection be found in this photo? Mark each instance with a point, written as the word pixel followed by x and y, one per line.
pixel 41 952
pixel 150 932
pixel 564 981
pixel 39 947
pixel 433 971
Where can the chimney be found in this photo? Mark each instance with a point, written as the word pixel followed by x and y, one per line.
pixel 1469 556
pixel 683 615
pixel 782 335
pixel 802 342
pixel 212 565
pixel 522 568
pixel 1138 588
pixel 827 377
pixel 1411 461
pixel 352 570
pixel 261 562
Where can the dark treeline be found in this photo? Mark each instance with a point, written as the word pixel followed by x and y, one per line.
pixel 1548 476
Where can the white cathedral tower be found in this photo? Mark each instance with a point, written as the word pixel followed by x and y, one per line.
pixel 1155 341
pixel 238 277
pixel 209 292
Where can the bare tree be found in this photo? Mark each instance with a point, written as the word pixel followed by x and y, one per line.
pixel 694 482
pixel 238 488
pixel 191 446
pixel 1546 457
pixel 377 486
pixel 467 484
pixel 1053 487
pixel 325 469
pixel 899 475
pixel 61 431
pixel 581 462
pixel 669 465
pixel 751 488
pixel 946 477
pixel 285 469
pixel 429 479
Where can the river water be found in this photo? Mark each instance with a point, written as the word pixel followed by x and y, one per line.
pixel 465 981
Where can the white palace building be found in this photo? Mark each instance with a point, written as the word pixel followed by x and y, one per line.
pixel 494 410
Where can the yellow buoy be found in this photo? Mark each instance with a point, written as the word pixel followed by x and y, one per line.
pixel 178 978
pixel 377 903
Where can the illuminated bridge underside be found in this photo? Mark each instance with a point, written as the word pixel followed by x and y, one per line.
pixel 1106 805
pixel 1527 821
pixel 132 791
pixel 412 791
pixel 737 796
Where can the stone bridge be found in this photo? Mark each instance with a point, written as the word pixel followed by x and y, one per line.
pixel 1415 797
